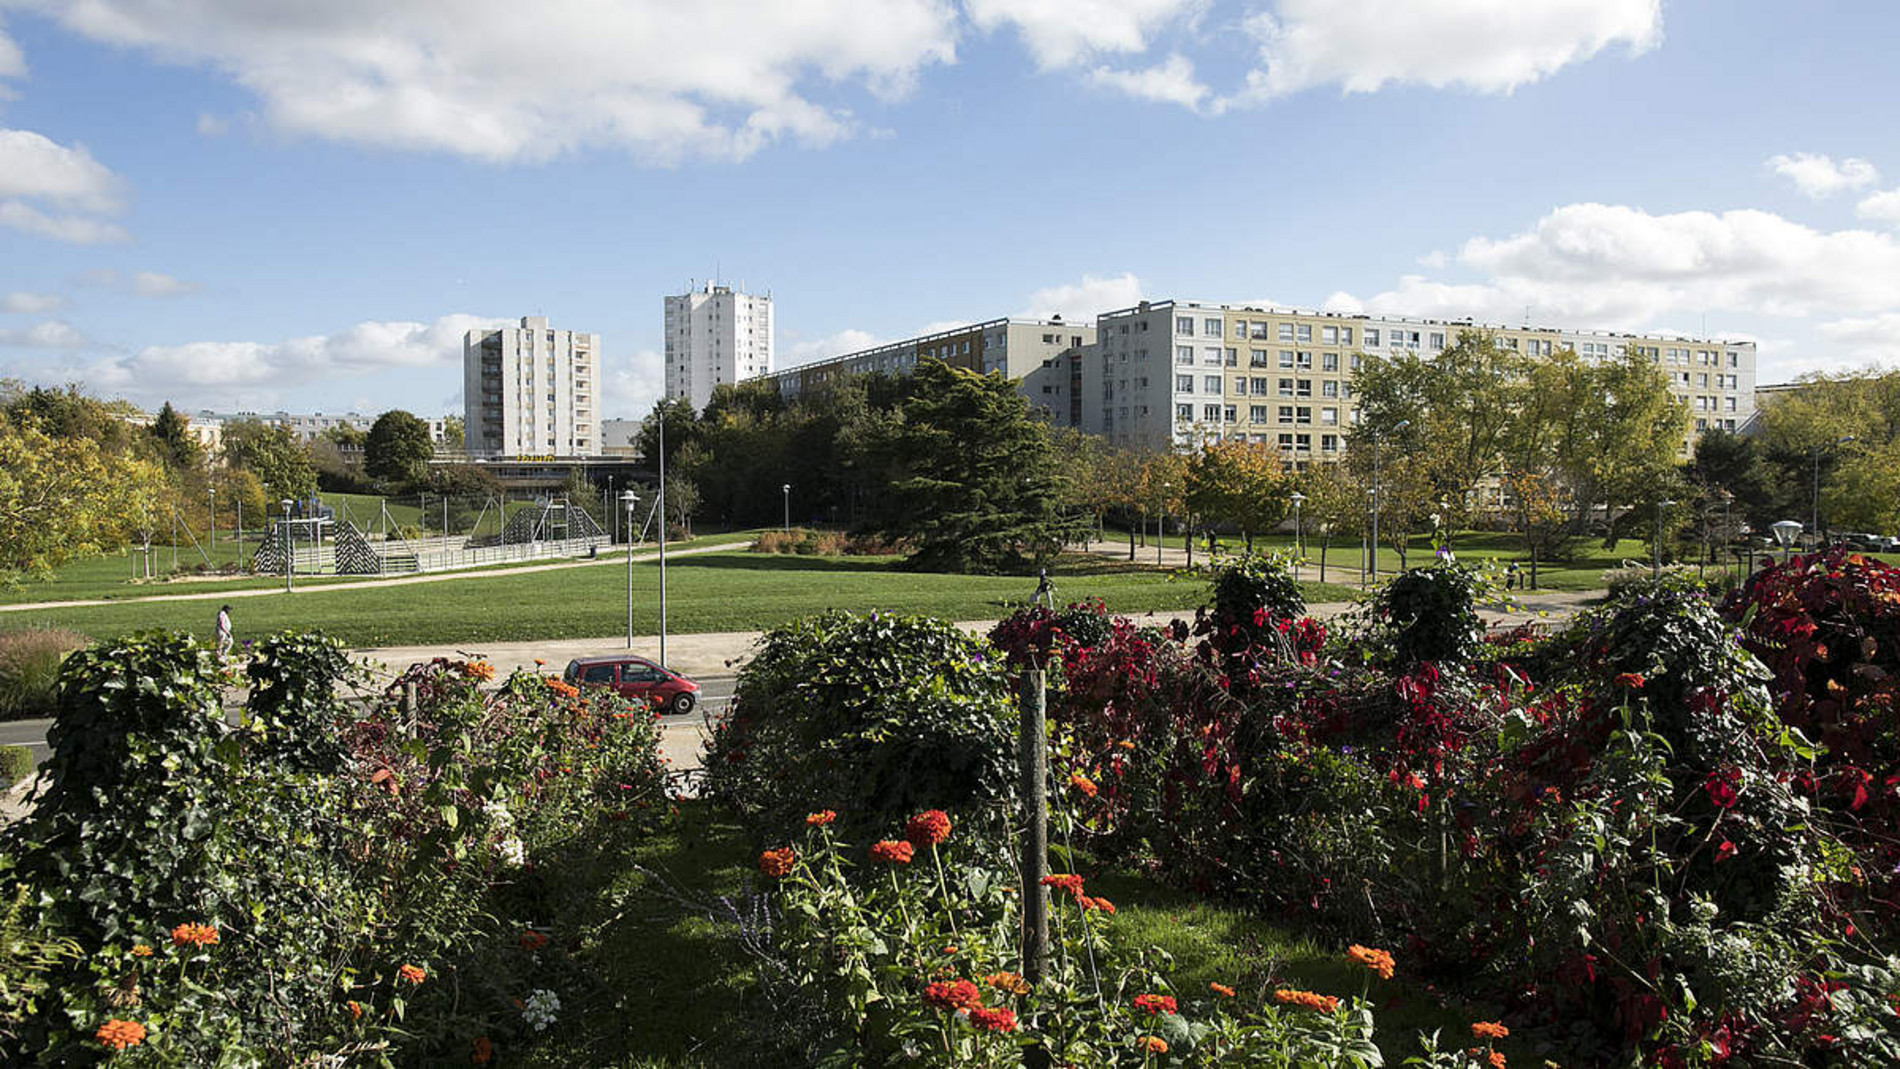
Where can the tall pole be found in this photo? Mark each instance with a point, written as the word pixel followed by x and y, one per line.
pixel 662 539
pixel 290 547
pixel 787 488
pixel 630 499
pixel 240 531
pixel 1161 522
pixel 1299 549
pixel 212 534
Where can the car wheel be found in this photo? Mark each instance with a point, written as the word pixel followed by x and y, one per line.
pixel 682 703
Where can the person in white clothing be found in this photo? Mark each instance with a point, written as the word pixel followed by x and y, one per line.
pixel 224 630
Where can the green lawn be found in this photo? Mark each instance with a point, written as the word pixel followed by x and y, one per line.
pixel 682 981
pixel 731 590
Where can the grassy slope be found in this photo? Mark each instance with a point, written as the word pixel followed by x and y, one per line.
pixel 685 981
pixel 724 591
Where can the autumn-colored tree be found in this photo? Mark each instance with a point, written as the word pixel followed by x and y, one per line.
pixel 1335 507
pixel 62 496
pixel 1241 483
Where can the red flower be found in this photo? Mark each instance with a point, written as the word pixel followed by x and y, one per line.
pixel 820 818
pixel 1632 680
pixel 1155 1003
pixel 1721 788
pixel 481 1051
pixel 1068 882
pixel 532 940
pixel 1000 1019
pixel 1725 851
pixel 776 863
pixel 928 828
pixel 412 973
pixel 953 995
pixel 892 851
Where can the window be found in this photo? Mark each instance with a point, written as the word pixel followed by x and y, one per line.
pixel 1211 356
pixel 1329 335
pixel 1210 328
pixel 1257 357
pixel 1306 332
pixel 1286 387
pixel 1233 357
pixel 1329 362
pixel 1210 413
pixel 1260 388
pixel 1286 358
pixel 1286 442
pixel 1329 416
pixel 1184 354
pixel 1356 361
pixel 1228 413
pixel 1304 414
pixel 1329 443
pixel 1305 388
pixel 1184 384
pixel 1184 413
pixel 1286 332
pixel 1257 413
pixel 1286 413
pixel 1210 384
pixel 1735 360
pixel 1702 380
pixel 1437 340
pixel 1240 328
pixel 1258 331
pixel 1240 387
pixel 1730 404
pixel 1184 325
pixel 598 673
pixel 1305 359
pixel 1372 338
pixel 1329 388
pixel 1345 335
pixel 1302 443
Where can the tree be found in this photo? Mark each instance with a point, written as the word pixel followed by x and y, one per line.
pixel 1536 501
pixel 455 434
pixel 1241 483
pixel 240 493
pixel 1335 506
pixel 682 426
pixel 273 455
pixel 973 482
pixel 1802 442
pixel 64 496
pixel 398 448
pixel 176 444
pixel 682 500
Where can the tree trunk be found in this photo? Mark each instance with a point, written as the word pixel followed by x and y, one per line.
pixel 1323 543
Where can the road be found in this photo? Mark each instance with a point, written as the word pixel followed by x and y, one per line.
pixel 681 732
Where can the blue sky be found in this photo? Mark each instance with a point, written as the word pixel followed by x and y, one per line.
pixel 242 204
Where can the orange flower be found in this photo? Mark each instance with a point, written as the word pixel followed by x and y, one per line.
pixel 194 935
pixel 820 818
pixel 1069 882
pixel 356 1010
pixel 1379 961
pixel 1155 1003
pixel 1082 783
pixel 1306 1000
pixel 1101 904
pixel 539 663
pixel 565 690
pixel 950 949
pixel 893 851
pixel 1152 1044
pixel 953 995
pixel 480 670
pixel 412 973
pixel 928 828
pixel 1633 680
pixel 1221 989
pixel 1000 1019
pixel 119 1034
pixel 1489 1030
pixel 533 940
pixel 776 863
pixel 1496 1059
pixel 1126 744
pixel 142 951
pixel 1007 981
pixel 481 1050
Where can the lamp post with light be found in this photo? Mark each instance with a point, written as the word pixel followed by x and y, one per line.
pixel 1299 545
pixel 628 499
pixel 787 490
pixel 1786 531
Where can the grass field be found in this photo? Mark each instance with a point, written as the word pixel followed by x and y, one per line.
pixel 729 590
pixel 665 941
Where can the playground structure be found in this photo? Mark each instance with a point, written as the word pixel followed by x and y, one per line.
pixel 345 544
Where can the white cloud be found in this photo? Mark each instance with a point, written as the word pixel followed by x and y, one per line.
pixel 210 125
pixel 630 385
pixel 845 341
pixel 1489 46
pixel 1062 33
pixel 365 348
pixel 12 62
pixel 56 191
pixel 1081 302
pixel 1169 82
pixel 1819 176
pixel 1883 206
pixel 138 283
pixel 51 334
pixel 31 303
pixel 1866 337
pixel 502 80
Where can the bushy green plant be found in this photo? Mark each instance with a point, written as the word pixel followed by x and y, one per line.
pixel 874 716
pixel 1251 582
pixel 29 669
pixel 1431 613
pixel 16 764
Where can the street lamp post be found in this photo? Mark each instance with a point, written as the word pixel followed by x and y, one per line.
pixel 1299 546
pixel 1786 531
pixel 1815 510
pixel 1377 501
pixel 290 546
pixel 1655 567
pixel 629 499
pixel 1365 553
pixel 1161 521
pixel 662 508
pixel 787 490
pixel 211 532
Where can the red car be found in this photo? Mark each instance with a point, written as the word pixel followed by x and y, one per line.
pixel 636 678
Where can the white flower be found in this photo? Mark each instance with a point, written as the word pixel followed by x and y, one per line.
pixel 512 851
pixel 541 1009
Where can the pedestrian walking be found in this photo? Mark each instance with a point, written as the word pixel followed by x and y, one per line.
pixel 1510 575
pixel 224 631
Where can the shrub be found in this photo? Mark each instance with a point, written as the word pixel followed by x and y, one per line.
pixel 16 764
pixel 29 669
pixel 1431 613
pixel 873 716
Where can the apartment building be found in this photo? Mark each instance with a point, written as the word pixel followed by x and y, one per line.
pixel 1045 354
pixel 531 391
pixel 715 334
pixel 1171 373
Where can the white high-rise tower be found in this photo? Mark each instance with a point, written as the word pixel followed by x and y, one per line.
pixel 531 391
pixel 714 335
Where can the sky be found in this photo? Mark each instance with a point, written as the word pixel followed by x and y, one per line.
pixel 275 204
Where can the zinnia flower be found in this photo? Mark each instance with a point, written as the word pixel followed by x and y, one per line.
pixel 412 973
pixel 119 1034
pixel 194 935
pixel 953 995
pixel 1378 961
pixel 1489 1030
pixel 481 1050
pixel 142 950
pixel 1000 1019
pixel 1306 1000
pixel 1496 1059
pixel 1221 989
pixel 928 828
pixel 1102 904
pixel 1126 744
pixel 480 670
pixel 776 863
pixel 1007 981
pixel 1152 1044
pixel 1155 1003
pixel 1082 783
pixel 1069 882
pixel 820 818
pixel 1632 680
pixel 533 940
pixel 356 1010
pixel 893 851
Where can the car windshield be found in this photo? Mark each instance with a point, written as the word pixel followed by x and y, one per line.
pixel 573 669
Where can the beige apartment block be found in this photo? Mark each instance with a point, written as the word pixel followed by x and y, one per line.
pixel 531 391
